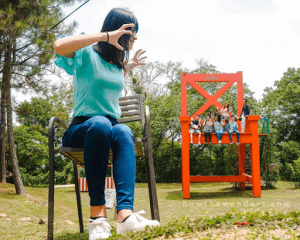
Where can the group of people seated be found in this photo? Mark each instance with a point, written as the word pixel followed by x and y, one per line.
pixel 222 121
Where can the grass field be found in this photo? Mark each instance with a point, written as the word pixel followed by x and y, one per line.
pixel 20 215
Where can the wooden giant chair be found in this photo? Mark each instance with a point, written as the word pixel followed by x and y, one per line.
pixel 132 110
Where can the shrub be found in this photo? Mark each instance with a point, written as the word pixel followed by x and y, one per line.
pixel 296 172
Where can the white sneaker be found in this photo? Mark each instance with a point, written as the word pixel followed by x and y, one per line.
pixel 98 229
pixel 135 222
pixel 220 142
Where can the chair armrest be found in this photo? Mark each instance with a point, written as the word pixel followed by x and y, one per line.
pixel 51 133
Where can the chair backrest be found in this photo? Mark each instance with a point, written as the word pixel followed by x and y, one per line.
pixel 132 109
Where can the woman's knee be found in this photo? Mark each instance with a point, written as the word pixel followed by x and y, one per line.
pixel 99 126
pixel 122 132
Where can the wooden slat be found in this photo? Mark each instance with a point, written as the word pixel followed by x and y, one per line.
pixel 132 119
pixel 68 149
pixel 130 108
pixel 125 103
pixel 76 157
pixel 132 113
pixel 129 97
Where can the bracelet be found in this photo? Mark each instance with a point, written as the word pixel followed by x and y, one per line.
pixel 107 37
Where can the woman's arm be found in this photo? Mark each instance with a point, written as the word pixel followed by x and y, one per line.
pixel 67 46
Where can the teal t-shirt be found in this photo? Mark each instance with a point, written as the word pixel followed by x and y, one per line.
pixel 97 83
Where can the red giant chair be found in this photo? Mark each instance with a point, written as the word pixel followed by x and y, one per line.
pixel 250 136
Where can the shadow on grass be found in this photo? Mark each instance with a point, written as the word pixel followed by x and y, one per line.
pixel 177 195
pixel 248 188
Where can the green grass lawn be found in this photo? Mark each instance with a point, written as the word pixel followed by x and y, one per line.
pixel 23 213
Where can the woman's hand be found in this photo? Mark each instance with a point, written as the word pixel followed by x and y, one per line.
pixel 114 36
pixel 136 60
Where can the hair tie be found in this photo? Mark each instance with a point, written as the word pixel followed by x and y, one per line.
pixel 107 37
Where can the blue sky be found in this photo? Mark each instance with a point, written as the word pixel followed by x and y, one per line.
pixel 260 38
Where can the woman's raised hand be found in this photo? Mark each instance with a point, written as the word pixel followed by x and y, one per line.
pixel 115 35
pixel 136 60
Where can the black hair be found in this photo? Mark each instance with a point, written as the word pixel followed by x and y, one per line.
pixel 219 117
pixel 113 21
pixel 245 99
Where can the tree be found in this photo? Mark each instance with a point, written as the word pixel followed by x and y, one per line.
pixel 269 163
pixel 26 51
pixel 33 155
pixel 143 80
pixel 2 139
pixel 287 153
pixel 281 105
pixel 39 110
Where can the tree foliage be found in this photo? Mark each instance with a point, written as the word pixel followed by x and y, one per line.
pixel 39 110
pixel 281 105
pixel 33 155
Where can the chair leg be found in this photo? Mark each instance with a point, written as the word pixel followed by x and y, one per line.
pixel 78 198
pixel 152 188
pixel 51 195
pixel 150 170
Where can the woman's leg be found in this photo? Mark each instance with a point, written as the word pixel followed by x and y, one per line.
pixel 94 135
pixel 209 135
pixel 217 133
pixel 206 137
pixel 191 136
pixel 230 135
pixel 237 135
pixel 221 133
pixel 243 123
pixel 124 168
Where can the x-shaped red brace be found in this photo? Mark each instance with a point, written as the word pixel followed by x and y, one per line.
pixel 211 100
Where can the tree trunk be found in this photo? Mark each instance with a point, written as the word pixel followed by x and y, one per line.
pixel 2 138
pixel 7 70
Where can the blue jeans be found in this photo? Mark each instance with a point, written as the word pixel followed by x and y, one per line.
pixel 237 134
pixel 219 134
pixel 97 136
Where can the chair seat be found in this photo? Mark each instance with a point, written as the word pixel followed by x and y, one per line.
pixel 76 154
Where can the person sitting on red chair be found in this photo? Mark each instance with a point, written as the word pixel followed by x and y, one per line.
pixel 195 128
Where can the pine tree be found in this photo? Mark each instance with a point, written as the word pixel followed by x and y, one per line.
pixel 25 53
